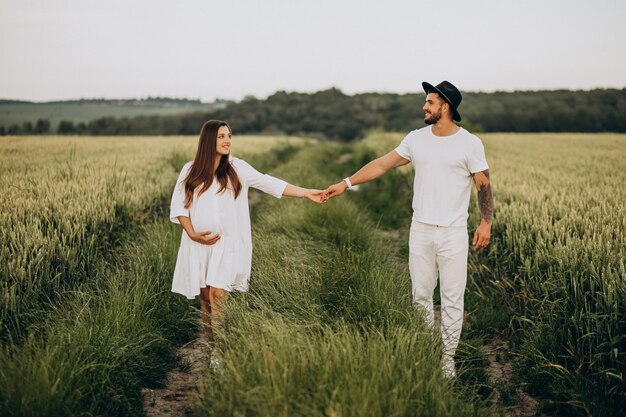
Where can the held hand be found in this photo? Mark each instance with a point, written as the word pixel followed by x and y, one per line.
pixel 206 238
pixel 482 236
pixel 334 191
pixel 314 195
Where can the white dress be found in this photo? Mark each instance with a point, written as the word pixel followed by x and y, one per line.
pixel 227 263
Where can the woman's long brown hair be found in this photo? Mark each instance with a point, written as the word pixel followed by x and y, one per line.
pixel 201 173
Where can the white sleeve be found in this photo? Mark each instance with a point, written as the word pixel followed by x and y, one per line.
pixel 263 182
pixel 477 159
pixel 177 205
pixel 403 149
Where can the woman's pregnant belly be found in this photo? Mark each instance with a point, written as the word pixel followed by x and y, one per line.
pixel 205 214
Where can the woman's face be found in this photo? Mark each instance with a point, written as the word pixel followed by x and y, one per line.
pixel 223 140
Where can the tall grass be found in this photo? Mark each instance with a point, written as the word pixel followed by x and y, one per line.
pixel 104 341
pixel 559 251
pixel 65 202
pixel 113 327
pixel 327 328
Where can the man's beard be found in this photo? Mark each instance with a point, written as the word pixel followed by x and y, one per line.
pixel 434 118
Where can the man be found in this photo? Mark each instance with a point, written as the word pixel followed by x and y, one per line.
pixel 446 158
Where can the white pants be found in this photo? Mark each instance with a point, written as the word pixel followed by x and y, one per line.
pixel 440 249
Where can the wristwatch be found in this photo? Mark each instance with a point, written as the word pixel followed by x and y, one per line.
pixel 347 181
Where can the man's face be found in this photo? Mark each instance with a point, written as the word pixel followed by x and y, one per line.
pixel 432 108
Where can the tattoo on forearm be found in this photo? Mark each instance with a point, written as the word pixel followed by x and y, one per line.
pixel 485 198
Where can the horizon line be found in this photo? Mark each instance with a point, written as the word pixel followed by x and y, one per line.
pixel 219 99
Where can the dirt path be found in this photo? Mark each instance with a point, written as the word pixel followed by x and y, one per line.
pixel 500 374
pixel 180 388
pixel 507 400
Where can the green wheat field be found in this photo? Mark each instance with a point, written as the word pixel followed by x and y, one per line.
pixel 87 253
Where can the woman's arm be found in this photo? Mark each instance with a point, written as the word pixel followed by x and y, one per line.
pixel 295 191
pixel 206 238
pixel 274 186
pixel 177 205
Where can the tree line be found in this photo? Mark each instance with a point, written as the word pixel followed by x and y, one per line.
pixel 40 127
pixel 334 115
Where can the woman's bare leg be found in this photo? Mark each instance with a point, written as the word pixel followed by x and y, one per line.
pixel 205 307
pixel 216 297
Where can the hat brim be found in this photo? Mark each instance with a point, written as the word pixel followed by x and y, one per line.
pixel 429 87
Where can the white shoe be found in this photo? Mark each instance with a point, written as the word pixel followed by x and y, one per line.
pixel 448 369
pixel 215 363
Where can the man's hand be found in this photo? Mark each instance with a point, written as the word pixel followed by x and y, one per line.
pixel 482 236
pixel 206 238
pixel 334 191
pixel 315 196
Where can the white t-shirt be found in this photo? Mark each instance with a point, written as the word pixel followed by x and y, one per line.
pixel 443 168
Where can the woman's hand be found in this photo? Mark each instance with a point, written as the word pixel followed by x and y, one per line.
pixel 314 195
pixel 310 193
pixel 206 238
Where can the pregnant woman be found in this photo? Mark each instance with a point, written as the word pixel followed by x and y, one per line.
pixel 210 202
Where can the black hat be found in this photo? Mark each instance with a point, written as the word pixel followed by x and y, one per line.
pixel 449 93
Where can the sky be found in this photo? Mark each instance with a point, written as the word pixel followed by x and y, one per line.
pixel 229 49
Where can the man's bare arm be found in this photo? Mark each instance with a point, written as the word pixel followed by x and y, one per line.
pixel 485 204
pixel 367 173
pixel 485 197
